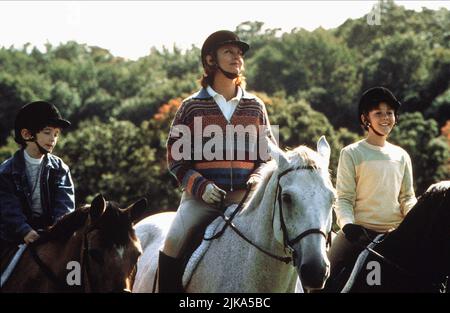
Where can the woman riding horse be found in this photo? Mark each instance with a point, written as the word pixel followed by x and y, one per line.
pixel 222 104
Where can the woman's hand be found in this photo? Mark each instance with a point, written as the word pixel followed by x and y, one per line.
pixel 213 194
pixel 253 181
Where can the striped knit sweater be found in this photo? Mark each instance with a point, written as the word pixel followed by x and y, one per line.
pixel 228 171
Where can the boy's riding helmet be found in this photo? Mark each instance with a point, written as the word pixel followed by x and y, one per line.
pixel 370 99
pixel 35 116
pixel 218 39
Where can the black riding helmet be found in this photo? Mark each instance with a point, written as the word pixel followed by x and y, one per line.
pixel 221 38
pixel 370 100
pixel 35 116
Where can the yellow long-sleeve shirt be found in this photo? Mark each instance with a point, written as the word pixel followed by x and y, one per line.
pixel 374 186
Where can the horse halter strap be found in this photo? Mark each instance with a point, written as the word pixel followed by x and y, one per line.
pixel 53 277
pixel 85 260
pixel 287 242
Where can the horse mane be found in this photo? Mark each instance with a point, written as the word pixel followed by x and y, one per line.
pixel 301 156
pixel 73 221
pixel 432 207
pixel 68 224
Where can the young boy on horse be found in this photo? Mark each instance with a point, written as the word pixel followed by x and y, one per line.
pixel 374 180
pixel 36 188
pixel 209 183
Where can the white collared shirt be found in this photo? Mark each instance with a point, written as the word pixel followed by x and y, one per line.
pixel 227 107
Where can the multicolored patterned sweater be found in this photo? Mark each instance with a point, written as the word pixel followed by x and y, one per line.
pixel 233 161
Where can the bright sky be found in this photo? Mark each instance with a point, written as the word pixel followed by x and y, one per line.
pixel 129 29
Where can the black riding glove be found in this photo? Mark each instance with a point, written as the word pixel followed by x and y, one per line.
pixel 353 232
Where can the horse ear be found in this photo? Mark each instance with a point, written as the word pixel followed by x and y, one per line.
pixel 136 210
pixel 324 149
pixel 98 206
pixel 278 155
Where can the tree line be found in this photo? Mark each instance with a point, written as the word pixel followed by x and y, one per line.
pixel 310 81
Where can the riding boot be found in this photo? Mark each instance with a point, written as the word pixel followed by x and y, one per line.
pixel 170 272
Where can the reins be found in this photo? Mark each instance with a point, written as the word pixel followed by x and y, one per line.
pixel 287 243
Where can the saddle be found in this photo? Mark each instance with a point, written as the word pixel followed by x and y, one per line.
pixel 337 281
pixel 200 244
pixel 8 250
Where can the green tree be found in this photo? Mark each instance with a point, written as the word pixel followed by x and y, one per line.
pixel 399 62
pixel 115 159
pixel 299 124
pixel 314 66
pixel 429 152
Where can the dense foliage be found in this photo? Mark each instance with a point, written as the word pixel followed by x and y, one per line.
pixel 311 81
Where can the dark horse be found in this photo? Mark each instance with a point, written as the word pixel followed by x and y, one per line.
pixel 93 249
pixel 413 258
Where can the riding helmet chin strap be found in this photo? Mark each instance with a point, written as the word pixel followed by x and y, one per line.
pixel 42 150
pixel 228 75
pixel 369 124
pixel 371 127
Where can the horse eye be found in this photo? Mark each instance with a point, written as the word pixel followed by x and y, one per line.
pixel 286 198
pixel 96 255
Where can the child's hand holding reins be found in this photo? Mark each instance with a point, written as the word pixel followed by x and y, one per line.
pixel 31 237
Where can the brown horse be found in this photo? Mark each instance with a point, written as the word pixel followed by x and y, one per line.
pixel 93 249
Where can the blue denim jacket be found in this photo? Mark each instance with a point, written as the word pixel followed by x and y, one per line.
pixel 57 195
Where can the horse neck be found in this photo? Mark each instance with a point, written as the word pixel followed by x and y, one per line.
pixel 410 249
pixel 57 253
pixel 258 214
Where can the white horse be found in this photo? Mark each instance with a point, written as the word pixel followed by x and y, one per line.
pixel 287 220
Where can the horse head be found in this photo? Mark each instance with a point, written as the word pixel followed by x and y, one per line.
pixel 302 215
pixel 110 247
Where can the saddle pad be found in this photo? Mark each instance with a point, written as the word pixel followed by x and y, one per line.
pixel 10 268
pixel 198 254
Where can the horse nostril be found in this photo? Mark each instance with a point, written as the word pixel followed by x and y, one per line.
pixel 313 275
pixel 306 272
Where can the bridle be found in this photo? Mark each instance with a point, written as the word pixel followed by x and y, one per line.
pixel 287 242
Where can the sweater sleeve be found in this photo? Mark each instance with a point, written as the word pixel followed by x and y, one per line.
pixel 407 197
pixel 346 189
pixel 259 170
pixel 179 160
